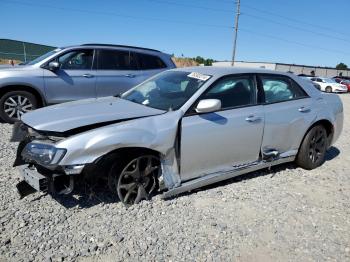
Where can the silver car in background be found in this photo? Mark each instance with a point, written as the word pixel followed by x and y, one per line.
pixel 180 130
pixel 76 72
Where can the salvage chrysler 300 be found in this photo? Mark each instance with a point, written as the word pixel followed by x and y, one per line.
pixel 180 130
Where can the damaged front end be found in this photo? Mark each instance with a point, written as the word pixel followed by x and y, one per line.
pixel 37 160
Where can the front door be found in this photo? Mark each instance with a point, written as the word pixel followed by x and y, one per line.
pixel 220 141
pixel 288 114
pixel 117 72
pixel 74 79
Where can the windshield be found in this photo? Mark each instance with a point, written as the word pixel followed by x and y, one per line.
pixel 168 90
pixel 330 80
pixel 41 58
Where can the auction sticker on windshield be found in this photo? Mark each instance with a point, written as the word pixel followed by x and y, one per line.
pixel 199 76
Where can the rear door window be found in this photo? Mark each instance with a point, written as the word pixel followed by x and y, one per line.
pixel 280 88
pixel 147 62
pixel 115 60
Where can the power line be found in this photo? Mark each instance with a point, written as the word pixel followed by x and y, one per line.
pixel 293 42
pixel 113 14
pixel 263 18
pixel 189 5
pixel 324 28
pixel 295 27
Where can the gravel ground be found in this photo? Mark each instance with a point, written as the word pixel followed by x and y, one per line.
pixel 287 214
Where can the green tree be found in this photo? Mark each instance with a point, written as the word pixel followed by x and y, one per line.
pixel 341 66
pixel 199 60
pixel 208 62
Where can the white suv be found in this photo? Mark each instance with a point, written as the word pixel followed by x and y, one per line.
pixel 329 85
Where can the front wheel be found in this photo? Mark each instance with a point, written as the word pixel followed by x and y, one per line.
pixel 313 148
pixel 136 180
pixel 14 104
pixel 328 89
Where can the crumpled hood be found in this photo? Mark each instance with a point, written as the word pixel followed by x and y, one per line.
pixel 82 113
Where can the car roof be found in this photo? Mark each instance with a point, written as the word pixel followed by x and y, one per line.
pixel 219 71
pixel 93 45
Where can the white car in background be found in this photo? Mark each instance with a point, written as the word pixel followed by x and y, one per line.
pixel 329 85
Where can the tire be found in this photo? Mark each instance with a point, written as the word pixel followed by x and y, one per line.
pixel 13 104
pixel 328 89
pixel 313 148
pixel 135 179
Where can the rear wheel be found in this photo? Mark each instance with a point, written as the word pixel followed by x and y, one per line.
pixel 136 179
pixel 313 148
pixel 329 89
pixel 16 103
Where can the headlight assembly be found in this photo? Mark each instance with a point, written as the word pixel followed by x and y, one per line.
pixel 44 154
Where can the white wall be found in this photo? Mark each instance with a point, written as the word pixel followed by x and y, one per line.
pixel 270 66
pixel 296 69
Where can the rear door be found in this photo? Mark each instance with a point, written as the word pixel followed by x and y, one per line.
pixel 220 141
pixel 75 79
pixel 117 71
pixel 288 113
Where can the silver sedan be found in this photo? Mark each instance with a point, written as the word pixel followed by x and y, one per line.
pixel 180 130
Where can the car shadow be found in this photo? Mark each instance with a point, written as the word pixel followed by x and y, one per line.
pixel 332 153
pixel 86 197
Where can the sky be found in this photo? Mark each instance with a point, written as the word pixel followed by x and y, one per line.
pixel 310 32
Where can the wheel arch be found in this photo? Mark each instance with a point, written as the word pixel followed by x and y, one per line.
pixel 327 125
pixel 125 152
pixel 38 95
pixel 103 164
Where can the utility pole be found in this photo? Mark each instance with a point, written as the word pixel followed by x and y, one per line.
pixel 236 31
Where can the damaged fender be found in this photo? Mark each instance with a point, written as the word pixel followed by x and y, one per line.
pixel 157 133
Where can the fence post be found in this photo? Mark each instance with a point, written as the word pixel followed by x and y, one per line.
pixel 24 52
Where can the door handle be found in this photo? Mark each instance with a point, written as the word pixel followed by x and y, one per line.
pixel 88 75
pixel 304 109
pixel 130 75
pixel 252 118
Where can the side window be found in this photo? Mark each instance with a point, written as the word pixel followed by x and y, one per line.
pixel 233 91
pixel 76 60
pixel 115 60
pixel 150 62
pixel 279 89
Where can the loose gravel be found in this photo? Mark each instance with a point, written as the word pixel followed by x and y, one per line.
pixel 286 214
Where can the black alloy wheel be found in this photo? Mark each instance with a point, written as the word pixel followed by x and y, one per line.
pixel 313 148
pixel 138 180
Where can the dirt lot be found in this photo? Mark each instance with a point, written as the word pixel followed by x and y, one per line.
pixel 287 214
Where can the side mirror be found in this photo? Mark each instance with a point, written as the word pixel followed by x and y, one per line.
pixel 53 66
pixel 208 105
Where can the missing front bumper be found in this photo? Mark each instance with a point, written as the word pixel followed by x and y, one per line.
pixel 47 183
